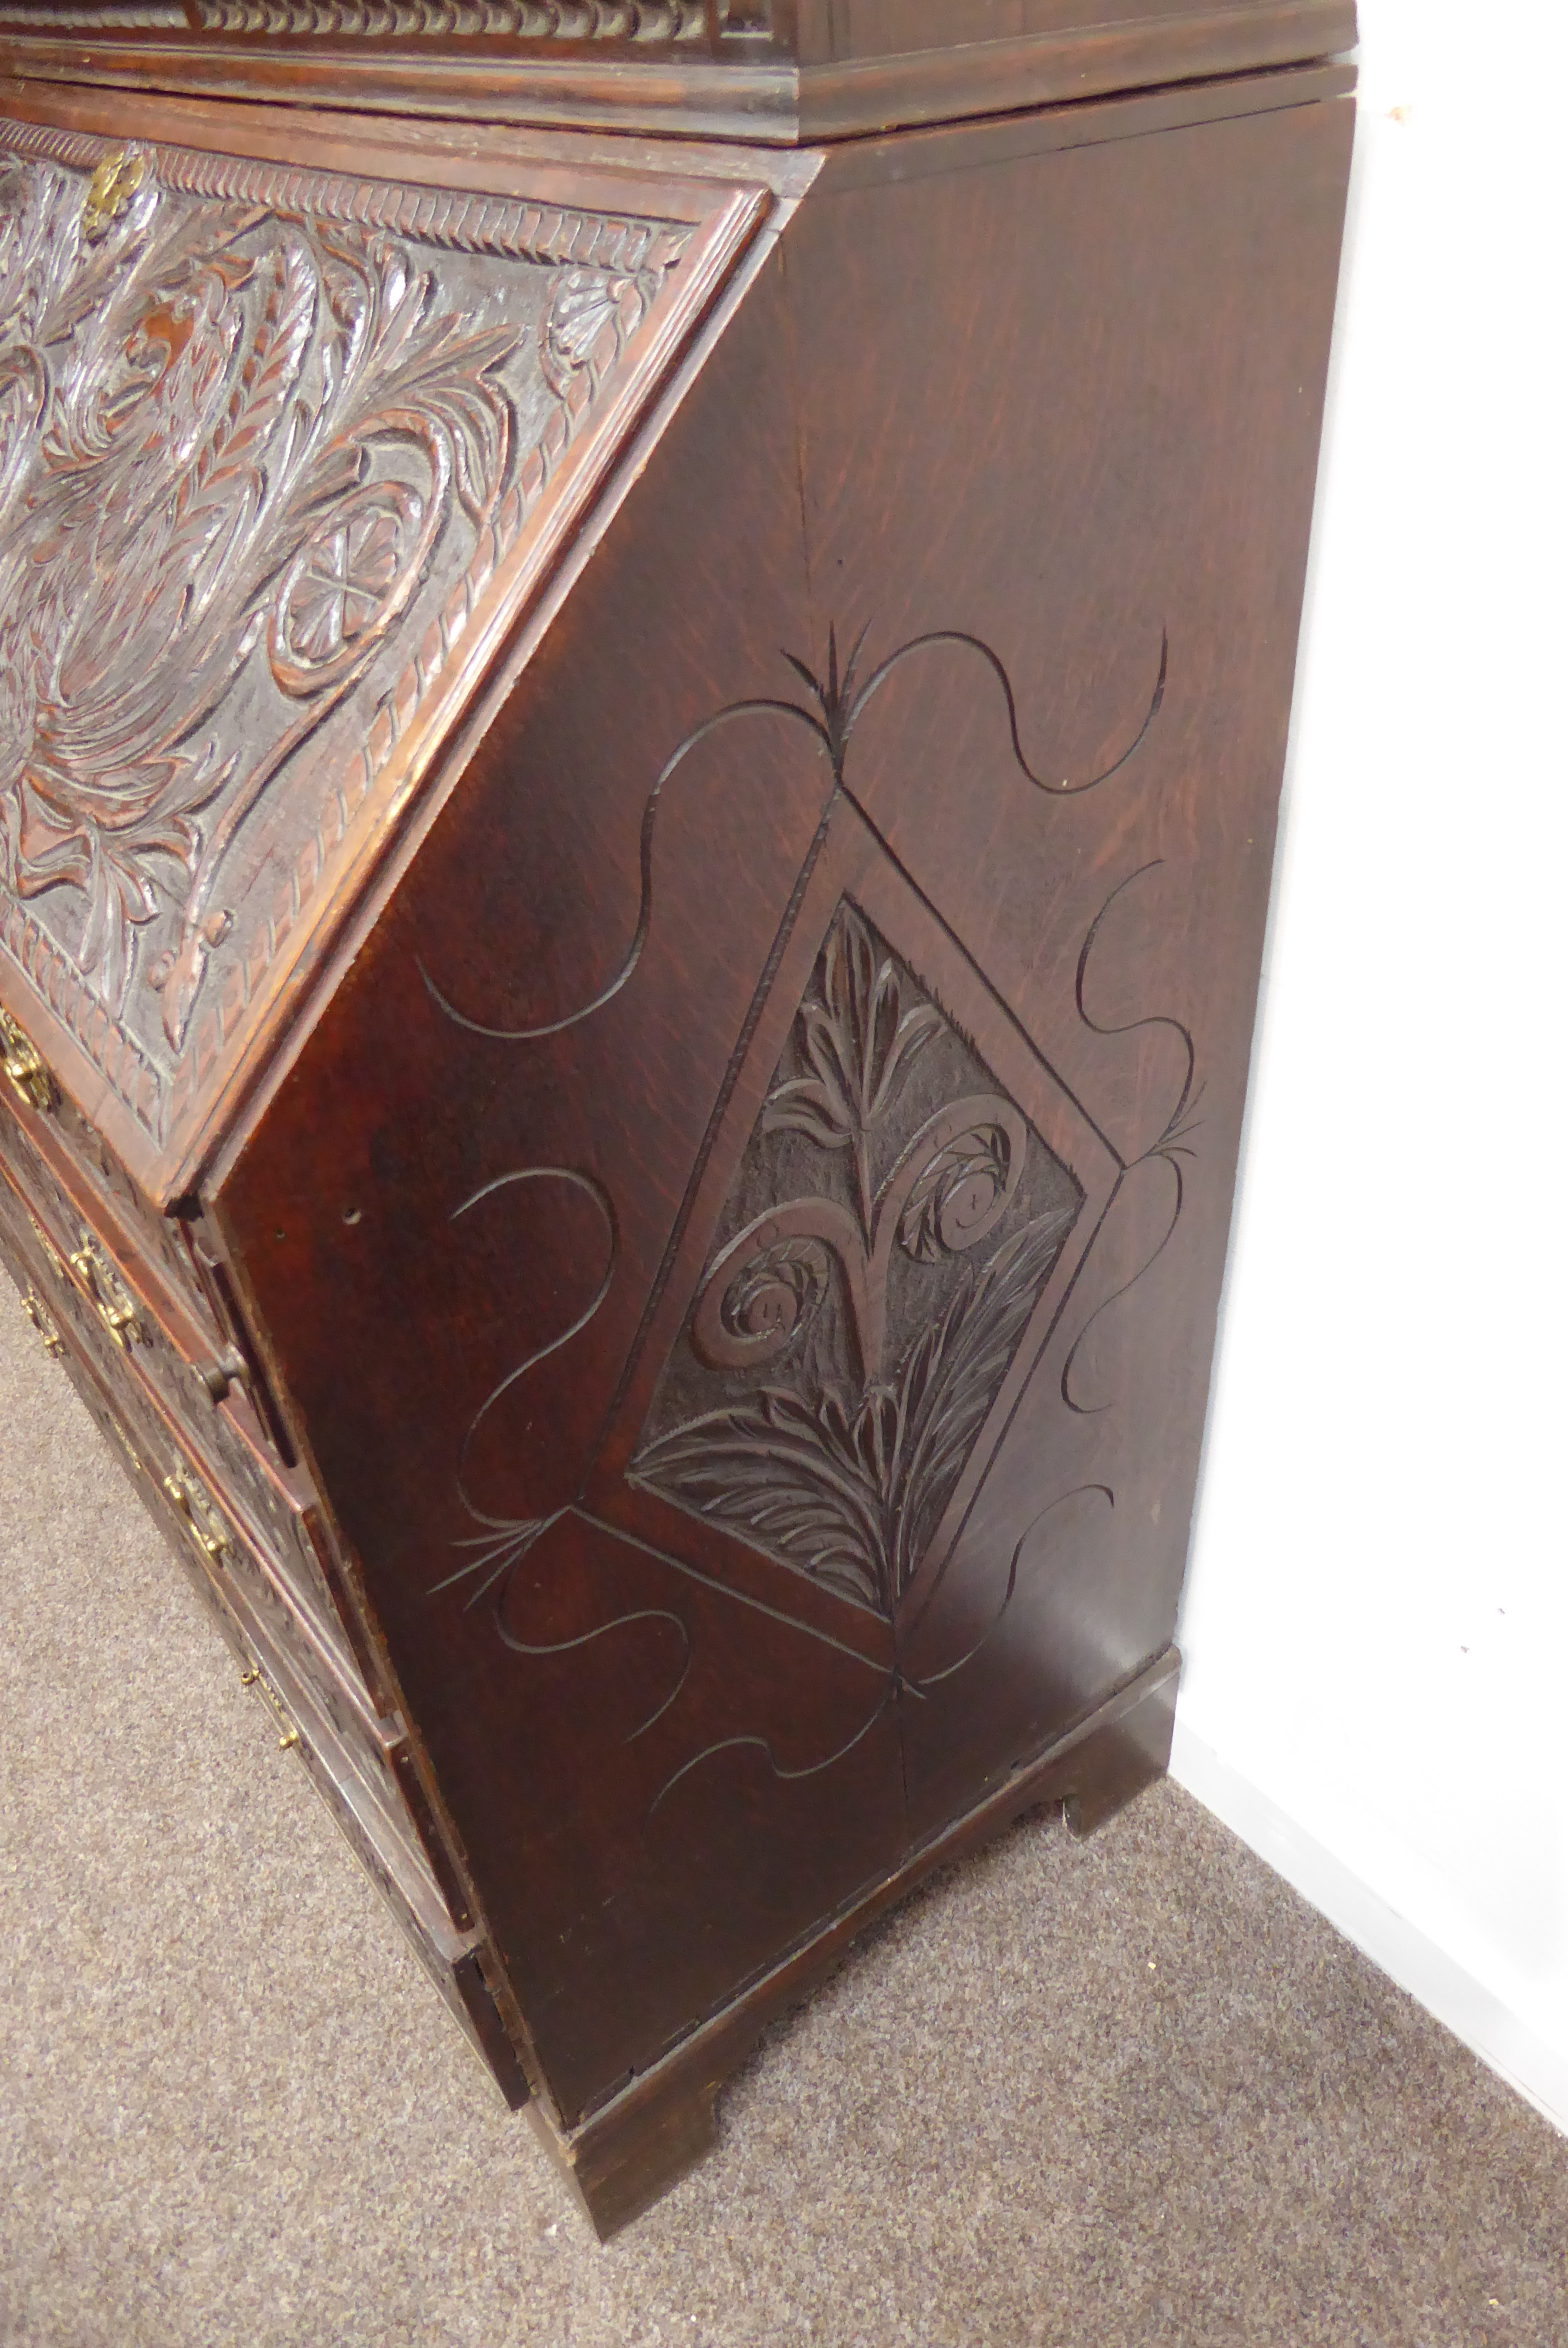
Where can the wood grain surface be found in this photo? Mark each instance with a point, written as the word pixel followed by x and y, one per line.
pixel 779 71
pixel 291 450
pixel 958 601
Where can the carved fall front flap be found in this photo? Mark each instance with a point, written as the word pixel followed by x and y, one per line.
pixel 283 453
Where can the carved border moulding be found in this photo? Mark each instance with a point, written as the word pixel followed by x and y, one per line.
pixel 640 23
pixel 281 453
pixel 107 16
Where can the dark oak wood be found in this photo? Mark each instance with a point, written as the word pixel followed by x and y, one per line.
pixel 789 72
pixel 632 2149
pixel 628 944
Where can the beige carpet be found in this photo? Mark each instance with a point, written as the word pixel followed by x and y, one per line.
pixel 1127 2092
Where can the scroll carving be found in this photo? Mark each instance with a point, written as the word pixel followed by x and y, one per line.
pixel 890 1235
pixel 248 430
pixel 851 1334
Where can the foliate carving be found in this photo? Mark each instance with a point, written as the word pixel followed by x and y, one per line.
pixel 251 422
pixel 887 1237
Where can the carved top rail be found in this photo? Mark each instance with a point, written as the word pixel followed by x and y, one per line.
pixel 783 71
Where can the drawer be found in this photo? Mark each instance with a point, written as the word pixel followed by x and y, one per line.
pixel 129 1327
pixel 80 1312
pixel 324 1696
pixel 356 1776
pixel 48 1140
pixel 44 1114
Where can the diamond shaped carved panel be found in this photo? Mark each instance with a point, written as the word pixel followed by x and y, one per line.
pixel 889 1231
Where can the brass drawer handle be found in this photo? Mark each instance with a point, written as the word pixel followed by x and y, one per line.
pixel 24 1068
pixel 206 1529
pixel 105 1292
pixel 53 1340
pixel 256 1677
pixel 202 1522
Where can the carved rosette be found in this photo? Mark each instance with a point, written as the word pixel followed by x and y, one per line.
pixel 889 1232
pixel 265 439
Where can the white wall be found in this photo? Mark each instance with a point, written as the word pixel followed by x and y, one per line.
pixel 1377 1618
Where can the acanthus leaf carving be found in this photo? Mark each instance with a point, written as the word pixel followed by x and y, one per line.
pixel 849 1476
pixel 237 441
pixel 850 1484
pixel 843 1463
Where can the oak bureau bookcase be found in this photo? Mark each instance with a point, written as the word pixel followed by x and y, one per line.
pixel 644 656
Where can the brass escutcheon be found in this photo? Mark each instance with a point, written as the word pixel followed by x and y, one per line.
pixel 110 190
pixel 25 1073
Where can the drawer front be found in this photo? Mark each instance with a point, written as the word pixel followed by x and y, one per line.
pixel 320 1699
pixel 173 1252
pixel 307 1718
pixel 90 1309
pixel 280 1532
pixel 222 1432
pixel 36 1100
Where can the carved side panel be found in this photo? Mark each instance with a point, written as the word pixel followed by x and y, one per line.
pixel 887 1235
pixel 268 441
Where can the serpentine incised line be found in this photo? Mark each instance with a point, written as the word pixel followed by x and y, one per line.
pixel 841 706
pixel 934 1679
pixel 1170 1147
pixel 762 1746
pixel 590 1188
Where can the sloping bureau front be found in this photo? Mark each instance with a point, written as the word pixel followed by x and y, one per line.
pixel 286 451
pixel 639 794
